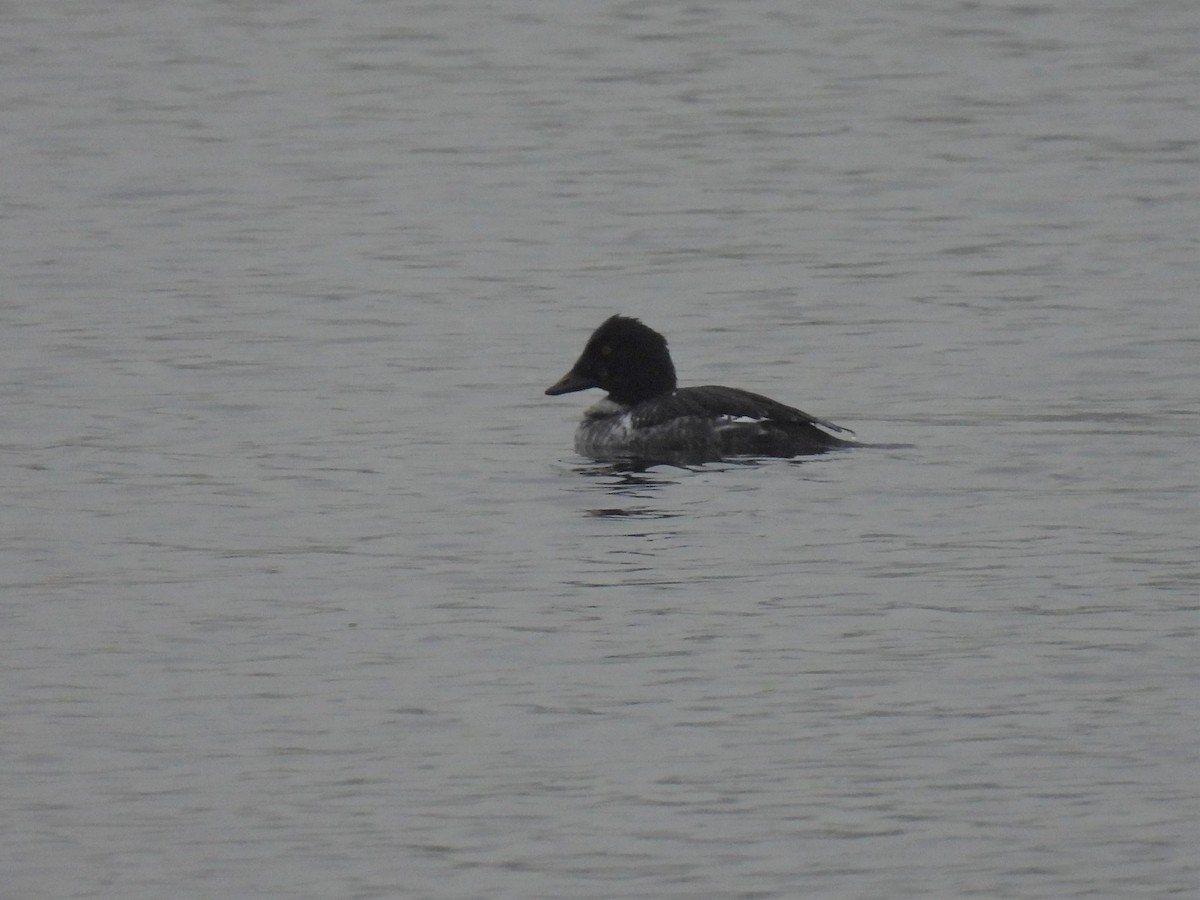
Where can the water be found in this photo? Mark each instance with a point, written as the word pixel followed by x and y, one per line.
pixel 304 594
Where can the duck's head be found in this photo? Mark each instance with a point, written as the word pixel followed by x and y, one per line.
pixel 625 358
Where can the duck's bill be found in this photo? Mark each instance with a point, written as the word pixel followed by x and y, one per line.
pixel 572 381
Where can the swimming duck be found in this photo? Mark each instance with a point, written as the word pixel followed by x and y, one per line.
pixel 647 417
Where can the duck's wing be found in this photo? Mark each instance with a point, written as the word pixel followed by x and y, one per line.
pixel 735 404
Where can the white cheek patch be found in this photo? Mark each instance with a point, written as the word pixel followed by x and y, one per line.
pixel 616 420
pixel 602 408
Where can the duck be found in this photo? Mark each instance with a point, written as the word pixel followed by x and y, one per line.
pixel 646 417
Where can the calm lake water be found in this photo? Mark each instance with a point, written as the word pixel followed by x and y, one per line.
pixel 305 595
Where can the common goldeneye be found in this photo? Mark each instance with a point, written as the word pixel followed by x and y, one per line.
pixel 647 418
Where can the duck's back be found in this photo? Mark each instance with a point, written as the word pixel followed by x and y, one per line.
pixel 705 423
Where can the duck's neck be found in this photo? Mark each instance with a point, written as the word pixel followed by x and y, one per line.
pixel 646 383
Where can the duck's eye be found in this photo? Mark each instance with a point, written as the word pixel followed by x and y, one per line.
pixel 606 350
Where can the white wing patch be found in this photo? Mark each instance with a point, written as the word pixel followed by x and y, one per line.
pixel 837 431
pixel 725 423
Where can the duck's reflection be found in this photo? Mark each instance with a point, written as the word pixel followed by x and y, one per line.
pixel 642 480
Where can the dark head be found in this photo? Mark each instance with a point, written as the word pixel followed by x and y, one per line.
pixel 625 358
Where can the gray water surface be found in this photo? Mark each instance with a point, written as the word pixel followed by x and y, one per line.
pixel 305 595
